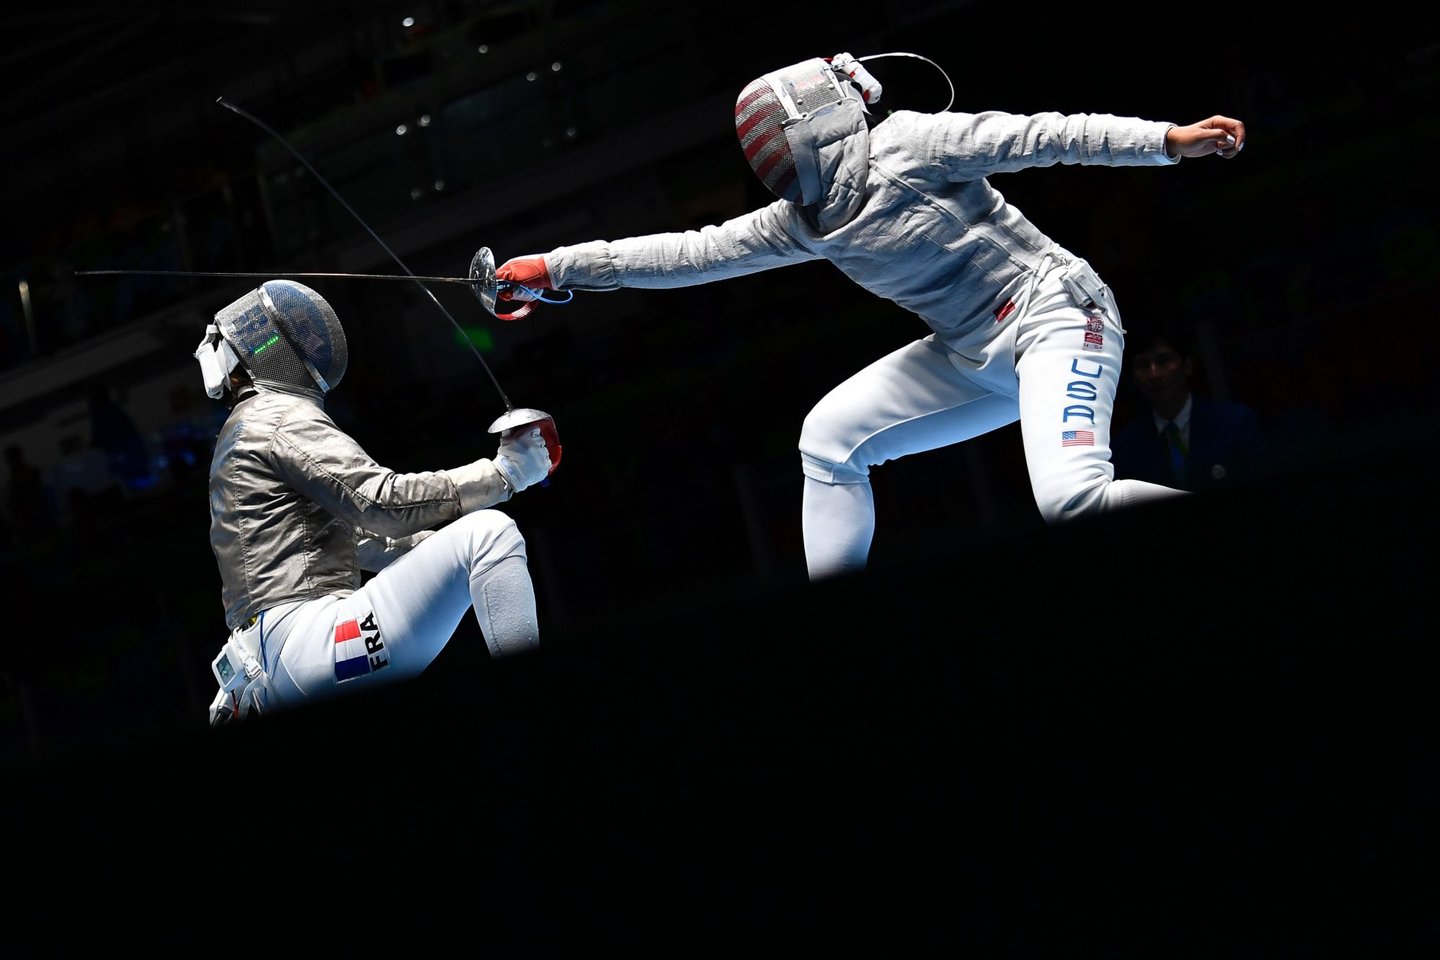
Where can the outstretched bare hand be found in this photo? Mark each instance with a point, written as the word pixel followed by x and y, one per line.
pixel 1219 134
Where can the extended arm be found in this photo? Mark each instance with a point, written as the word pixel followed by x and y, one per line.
pixel 329 467
pixel 970 146
pixel 759 240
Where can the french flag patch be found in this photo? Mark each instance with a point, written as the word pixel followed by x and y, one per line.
pixel 358 649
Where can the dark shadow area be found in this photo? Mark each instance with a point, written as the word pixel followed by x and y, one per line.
pixel 1234 771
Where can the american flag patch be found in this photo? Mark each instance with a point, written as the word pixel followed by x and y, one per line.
pixel 351 658
pixel 1075 438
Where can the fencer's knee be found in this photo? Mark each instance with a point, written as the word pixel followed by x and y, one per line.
pixel 485 521
pixel 827 471
pixel 828 456
pixel 493 533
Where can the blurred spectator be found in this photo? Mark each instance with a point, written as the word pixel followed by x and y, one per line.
pixel 113 432
pixel 188 439
pixel 1184 439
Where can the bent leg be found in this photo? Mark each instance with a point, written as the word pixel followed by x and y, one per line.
pixel 1069 366
pixel 395 625
pixel 477 562
pixel 909 401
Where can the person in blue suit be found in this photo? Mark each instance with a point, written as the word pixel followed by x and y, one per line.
pixel 1184 439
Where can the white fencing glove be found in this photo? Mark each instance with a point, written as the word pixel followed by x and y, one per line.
pixel 523 459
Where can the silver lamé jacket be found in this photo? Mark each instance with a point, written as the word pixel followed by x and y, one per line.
pixel 907 212
pixel 298 509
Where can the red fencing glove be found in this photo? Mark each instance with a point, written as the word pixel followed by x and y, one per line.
pixel 552 443
pixel 526 272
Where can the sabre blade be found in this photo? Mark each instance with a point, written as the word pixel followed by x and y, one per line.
pixel 272 274
pixel 374 236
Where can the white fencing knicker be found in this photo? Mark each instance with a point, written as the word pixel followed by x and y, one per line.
pixel 391 628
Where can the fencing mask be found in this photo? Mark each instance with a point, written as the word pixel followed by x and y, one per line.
pixel 777 113
pixel 285 336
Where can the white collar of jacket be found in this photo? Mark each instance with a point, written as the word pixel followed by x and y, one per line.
pixel 831 148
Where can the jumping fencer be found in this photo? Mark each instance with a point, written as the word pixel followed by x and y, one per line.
pixel 1022 328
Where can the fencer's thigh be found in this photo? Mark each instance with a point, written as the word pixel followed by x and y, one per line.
pixel 297 650
pixel 397 623
pixel 422 596
pixel 1069 366
pixel 914 399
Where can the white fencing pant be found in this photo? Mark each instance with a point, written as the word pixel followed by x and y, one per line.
pixel 1055 367
pixel 395 625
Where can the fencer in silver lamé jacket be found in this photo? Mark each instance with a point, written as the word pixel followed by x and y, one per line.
pixel 907 212
pixel 298 508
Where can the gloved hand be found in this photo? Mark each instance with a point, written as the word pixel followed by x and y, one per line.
pixel 523 459
pixel 526 271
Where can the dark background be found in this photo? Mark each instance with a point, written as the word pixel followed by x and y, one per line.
pixel 1221 701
